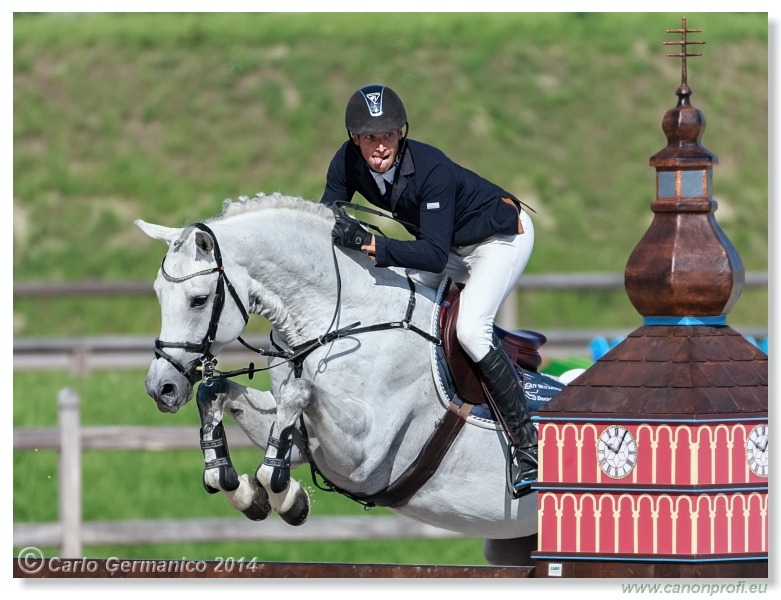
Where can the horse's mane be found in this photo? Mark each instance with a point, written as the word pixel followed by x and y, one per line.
pixel 262 201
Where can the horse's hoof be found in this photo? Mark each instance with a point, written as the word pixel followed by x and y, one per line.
pixel 260 507
pixel 299 512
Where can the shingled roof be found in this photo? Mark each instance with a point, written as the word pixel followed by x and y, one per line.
pixel 683 277
pixel 668 372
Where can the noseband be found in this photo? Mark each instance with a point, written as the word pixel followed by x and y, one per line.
pixel 206 358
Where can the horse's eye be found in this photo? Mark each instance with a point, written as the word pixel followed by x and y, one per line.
pixel 198 301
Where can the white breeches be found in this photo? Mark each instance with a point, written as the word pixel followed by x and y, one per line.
pixel 490 270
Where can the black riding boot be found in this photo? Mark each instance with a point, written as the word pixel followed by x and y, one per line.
pixel 505 388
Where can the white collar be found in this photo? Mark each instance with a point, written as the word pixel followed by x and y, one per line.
pixel 383 178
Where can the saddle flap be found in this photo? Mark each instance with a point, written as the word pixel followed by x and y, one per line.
pixel 466 377
pixel 522 346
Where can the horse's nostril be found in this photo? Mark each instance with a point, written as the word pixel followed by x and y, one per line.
pixel 168 389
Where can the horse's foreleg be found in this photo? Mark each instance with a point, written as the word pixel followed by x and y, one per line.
pixel 280 463
pixel 242 492
pixel 286 495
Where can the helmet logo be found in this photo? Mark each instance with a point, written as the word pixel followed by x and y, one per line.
pixel 374 102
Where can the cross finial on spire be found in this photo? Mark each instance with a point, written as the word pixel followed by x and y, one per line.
pixel 683 54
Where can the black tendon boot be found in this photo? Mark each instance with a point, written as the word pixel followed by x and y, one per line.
pixel 503 384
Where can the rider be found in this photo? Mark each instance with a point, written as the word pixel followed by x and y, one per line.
pixel 463 224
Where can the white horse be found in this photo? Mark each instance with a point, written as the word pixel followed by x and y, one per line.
pixel 368 400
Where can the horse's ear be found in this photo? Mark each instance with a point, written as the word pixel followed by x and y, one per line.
pixel 204 242
pixel 158 232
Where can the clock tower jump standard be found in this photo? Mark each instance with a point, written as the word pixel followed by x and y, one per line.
pixel 653 463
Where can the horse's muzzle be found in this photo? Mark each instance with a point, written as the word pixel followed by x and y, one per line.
pixel 167 387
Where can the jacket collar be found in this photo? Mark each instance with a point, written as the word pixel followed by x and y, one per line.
pixel 405 170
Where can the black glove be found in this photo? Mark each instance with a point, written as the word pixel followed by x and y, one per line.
pixel 349 233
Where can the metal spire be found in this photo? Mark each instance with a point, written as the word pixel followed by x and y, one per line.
pixel 683 43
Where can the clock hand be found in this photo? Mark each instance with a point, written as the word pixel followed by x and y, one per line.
pixel 620 442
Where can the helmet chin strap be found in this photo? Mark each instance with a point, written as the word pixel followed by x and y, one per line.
pixel 403 145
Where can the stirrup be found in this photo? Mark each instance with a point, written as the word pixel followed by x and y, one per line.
pixel 520 485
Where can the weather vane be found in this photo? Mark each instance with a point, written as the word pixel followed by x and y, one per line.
pixel 683 43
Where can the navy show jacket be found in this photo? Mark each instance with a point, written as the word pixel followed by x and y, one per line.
pixel 443 204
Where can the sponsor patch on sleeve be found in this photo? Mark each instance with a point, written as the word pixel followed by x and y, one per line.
pixel 432 205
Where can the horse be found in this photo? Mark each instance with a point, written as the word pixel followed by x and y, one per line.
pixel 359 399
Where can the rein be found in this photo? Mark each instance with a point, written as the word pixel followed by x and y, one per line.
pixel 295 355
pixel 301 351
pixel 371 211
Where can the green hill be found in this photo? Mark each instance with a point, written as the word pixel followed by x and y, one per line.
pixel 162 116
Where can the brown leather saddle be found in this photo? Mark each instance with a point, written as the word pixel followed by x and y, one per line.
pixel 521 345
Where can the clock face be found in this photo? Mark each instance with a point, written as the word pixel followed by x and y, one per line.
pixel 756 450
pixel 617 452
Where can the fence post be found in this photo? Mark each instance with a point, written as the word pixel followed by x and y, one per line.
pixel 70 472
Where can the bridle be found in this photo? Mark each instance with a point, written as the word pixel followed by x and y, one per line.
pixel 204 365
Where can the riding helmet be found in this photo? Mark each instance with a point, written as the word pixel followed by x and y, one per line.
pixel 374 109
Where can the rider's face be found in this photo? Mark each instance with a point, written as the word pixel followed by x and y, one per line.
pixel 379 150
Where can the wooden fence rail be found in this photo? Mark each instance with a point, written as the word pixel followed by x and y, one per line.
pixel 70 533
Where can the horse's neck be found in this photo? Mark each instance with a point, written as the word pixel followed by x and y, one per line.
pixel 289 260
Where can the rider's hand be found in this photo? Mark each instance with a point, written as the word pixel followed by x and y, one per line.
pixel 348 233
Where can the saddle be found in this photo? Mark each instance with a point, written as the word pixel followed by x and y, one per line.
pixel 521 345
